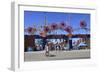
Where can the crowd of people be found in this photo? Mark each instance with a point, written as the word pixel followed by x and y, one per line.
pixel 53 45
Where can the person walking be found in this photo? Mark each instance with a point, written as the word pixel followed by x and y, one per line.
pixel 47 49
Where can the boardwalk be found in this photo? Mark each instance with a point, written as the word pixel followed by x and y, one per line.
pixel 57 55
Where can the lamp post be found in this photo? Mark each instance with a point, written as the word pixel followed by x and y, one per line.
pixel 70 33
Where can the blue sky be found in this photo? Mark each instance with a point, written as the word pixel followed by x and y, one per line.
pixel 33 18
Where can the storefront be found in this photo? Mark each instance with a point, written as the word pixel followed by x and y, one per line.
pixel 37 43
